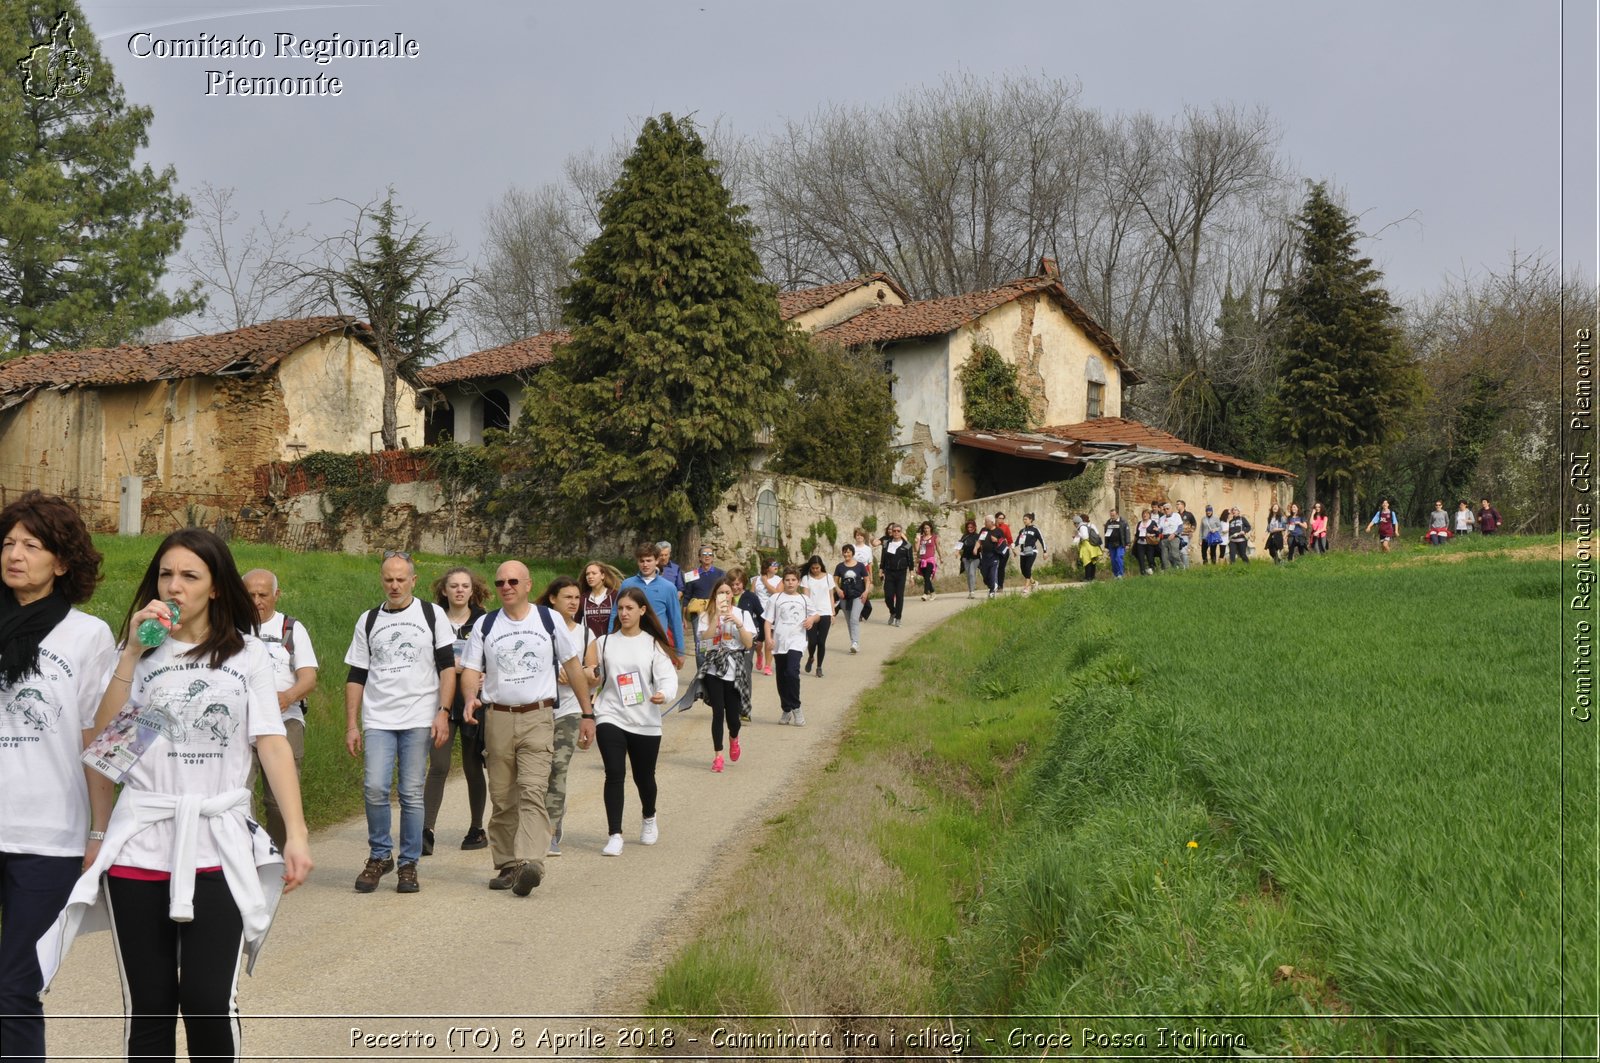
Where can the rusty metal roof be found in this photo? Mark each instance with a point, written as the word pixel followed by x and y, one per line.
pixel 1101 437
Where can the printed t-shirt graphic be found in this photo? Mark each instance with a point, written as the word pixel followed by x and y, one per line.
pixel 42 720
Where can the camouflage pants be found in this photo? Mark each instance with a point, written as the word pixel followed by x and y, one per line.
pixel 555 795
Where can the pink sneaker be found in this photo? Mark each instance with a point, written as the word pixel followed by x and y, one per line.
pixel 733 749
pixel 716 762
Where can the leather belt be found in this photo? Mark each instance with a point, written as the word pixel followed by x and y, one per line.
pixel 544 704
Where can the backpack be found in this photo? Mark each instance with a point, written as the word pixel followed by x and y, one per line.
pixel 1094 537
pixel 287 642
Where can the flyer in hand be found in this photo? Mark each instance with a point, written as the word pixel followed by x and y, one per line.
pixel 115 750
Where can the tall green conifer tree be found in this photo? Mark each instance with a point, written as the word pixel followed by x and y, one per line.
pixel 84 232
pixel 1346 376
pixel 651 412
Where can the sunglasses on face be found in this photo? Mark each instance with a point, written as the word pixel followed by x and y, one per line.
pixel 513 582
pixel 401 554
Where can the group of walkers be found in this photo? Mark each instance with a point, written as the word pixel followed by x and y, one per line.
pixel 1486 521
pixel 204 689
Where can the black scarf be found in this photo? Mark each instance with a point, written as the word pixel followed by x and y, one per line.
pixel 23 628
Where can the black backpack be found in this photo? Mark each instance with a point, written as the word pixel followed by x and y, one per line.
pixel 429 612
pixel 1094 536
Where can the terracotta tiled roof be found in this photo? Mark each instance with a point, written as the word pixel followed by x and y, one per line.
pixel 241 352
pixel 1113 432
pixel 935 317
pixel 505 360
pixel 794 303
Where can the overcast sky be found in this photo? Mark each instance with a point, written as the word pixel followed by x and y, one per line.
pixel 1444 124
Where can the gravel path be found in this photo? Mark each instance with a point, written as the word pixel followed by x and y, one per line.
pixel 588 941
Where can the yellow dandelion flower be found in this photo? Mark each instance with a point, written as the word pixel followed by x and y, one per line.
pixel 1193 844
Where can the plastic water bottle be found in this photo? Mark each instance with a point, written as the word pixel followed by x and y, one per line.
pixel 153 632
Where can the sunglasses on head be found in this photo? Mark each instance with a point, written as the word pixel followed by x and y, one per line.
pixel 401 554
pixel 512 582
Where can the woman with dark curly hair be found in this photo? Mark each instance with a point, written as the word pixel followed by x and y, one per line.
pixel 462 592
pixel 186 880
pixel 55 661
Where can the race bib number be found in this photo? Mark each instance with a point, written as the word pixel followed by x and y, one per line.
pixel 631 689
pixel 115 750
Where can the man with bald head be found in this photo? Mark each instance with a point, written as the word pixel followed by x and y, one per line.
pixel 294 675
pixel 402 679
pixel 511 660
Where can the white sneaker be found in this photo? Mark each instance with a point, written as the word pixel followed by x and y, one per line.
pixel 649 833
pixel 854 647
pixel 787 717
pixel 799 718
pixel 613 846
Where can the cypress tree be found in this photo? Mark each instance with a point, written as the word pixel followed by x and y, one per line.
pixel 645 419
pixel 1346 376
pixel 84 233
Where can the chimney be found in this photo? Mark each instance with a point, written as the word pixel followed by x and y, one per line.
pixel 1047 268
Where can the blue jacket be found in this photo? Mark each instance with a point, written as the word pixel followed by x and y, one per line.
pixel 663 598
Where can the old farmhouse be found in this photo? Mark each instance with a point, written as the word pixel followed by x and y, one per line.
pixel 194 417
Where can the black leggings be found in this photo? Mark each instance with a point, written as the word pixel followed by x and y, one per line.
pixel 926 572
pixel 157 984
pixel 1296 545
pixel 1211 553
pixel 817 640
pixel 723 695
pixel 472 767
pixel 617 748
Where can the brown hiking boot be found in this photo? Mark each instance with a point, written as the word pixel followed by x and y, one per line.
pixel 367 881
pixel 407 879
pixel 506 877
pixel 529 875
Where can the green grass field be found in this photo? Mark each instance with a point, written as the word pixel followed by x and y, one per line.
pixel 327 592
pixel 1312 794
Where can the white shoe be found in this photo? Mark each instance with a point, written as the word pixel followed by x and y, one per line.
pixel 649 833
pixel 613 846
pixel 786 718
pixel 854 648
pixel 799 718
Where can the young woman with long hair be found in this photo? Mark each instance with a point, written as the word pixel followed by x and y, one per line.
pixel 1275 529
pixel 852 586
pixel 190 881
pixel 599 585
pixel 750 602
pixel 927 554
pixel 723 631
pixel 1319 529
pixel 969 556
pixel 462 592
pixel 817 585
pixel 635 672
pixel 55 662
pixel 1294 529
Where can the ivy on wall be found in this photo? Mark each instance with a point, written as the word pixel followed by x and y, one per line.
pixel 1074 495
pixel 992 400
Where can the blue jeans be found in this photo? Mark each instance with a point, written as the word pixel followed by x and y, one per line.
pixel 1116 560
pixel 384 749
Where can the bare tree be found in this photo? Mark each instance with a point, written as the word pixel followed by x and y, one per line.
pixel 241 271
pixel 389 271
pixel 530 239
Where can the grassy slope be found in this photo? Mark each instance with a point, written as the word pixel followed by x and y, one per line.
pixel 1362 751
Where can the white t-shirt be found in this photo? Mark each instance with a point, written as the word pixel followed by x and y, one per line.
pixel 516 662
pixel 789 612
pixel 566 700
pixel 206 719
pixel 723 635
pixel 283 668
pixel 864 555
pixel 44 804
pixel 819 589
pixel 635 668
pixel 402 680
